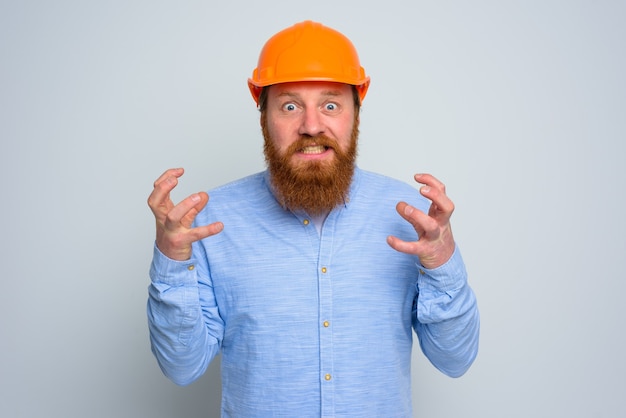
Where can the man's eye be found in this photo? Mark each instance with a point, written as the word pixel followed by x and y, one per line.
pixel 289 107
pixel 331 106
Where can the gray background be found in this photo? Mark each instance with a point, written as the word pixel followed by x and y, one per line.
pixel 518 106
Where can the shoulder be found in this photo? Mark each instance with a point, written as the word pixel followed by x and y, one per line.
pixel 376 179
pixel 370 182
pixel 241 197
pixel 377 187
pixel 253 182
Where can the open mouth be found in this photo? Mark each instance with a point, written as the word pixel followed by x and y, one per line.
pixel 313 149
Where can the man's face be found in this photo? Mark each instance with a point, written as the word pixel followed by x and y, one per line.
pixel 310 131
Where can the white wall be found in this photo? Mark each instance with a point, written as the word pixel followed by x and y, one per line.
pixel 519 106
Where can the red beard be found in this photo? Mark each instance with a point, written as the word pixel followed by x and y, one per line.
pixel 314 186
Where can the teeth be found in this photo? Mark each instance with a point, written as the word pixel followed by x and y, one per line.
pixel 313 149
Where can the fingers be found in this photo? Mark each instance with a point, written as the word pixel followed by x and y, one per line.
pixel 205 231
pixel 185 212
pixel 159 200
pixel 175 172
pixel 435 243
pixel 403 246
pixel 420 221
pixel 176 233
pixel 429 180
pixel 174 223
pixel 434 190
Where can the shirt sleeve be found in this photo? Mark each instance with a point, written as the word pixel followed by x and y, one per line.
pixel 446 317
pixel 183 319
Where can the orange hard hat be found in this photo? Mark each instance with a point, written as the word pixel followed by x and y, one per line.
pixel 308 51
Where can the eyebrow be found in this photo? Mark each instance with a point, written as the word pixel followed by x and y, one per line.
pixel 329 93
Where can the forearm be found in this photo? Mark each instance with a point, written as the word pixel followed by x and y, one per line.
pixel 446 318
pixel 179 333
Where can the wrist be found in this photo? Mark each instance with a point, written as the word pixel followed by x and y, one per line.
pixel 172 252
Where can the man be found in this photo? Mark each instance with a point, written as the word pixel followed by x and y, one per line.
pixel 309 277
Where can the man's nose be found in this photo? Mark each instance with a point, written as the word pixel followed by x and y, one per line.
pixel 312 123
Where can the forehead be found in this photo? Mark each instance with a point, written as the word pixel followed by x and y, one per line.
pixel 310 89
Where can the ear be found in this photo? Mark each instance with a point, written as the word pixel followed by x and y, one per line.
pixel 263 119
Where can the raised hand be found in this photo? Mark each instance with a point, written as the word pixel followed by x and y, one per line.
pixel 435 244
pixel 174 232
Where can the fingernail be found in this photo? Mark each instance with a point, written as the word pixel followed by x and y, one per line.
pixel 195 197
pixel 425 189
pixel 408 210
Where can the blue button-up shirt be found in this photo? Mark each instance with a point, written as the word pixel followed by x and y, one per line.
pixel 310 324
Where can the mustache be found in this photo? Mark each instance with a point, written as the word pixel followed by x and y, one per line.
pixel 305 141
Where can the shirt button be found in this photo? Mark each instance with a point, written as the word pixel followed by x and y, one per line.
pixel 306 222
pixel 422 272
pixel 191 267
pixel 324 270
pixel 326 324
pixel 327 377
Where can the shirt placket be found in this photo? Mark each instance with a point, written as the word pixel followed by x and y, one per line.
pixel 324 269
pixel 325 309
